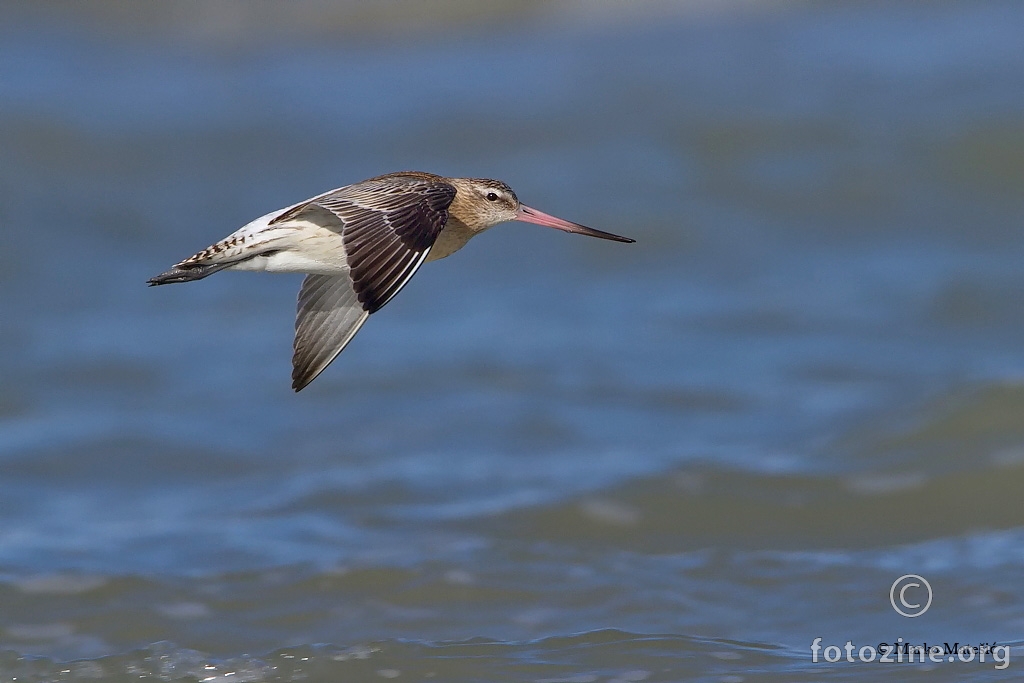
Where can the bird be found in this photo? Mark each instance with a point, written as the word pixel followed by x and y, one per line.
pixel 358 245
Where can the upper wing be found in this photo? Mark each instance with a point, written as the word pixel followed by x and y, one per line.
pixel 388 226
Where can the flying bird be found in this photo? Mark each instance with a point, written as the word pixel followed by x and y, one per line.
pixel 358 245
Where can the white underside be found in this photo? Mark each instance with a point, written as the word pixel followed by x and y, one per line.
pixel 290 261
pixel 300 247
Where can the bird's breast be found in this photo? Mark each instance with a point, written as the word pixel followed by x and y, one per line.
pixel 452 237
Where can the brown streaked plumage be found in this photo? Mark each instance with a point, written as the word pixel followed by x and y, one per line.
pixel 358 246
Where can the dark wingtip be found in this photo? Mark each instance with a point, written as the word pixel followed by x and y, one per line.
pixel 300 382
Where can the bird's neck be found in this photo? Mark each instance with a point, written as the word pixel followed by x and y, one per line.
pixel 453 237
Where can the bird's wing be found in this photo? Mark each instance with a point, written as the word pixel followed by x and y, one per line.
pixel 329 316
pixel 388 226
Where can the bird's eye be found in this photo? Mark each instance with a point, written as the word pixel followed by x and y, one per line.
pixel 492 197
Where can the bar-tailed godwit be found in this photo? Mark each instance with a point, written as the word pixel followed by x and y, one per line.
pixel 358 245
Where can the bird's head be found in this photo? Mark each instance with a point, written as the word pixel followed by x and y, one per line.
pixel 481 203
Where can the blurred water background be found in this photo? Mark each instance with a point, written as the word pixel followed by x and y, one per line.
pixel 550 458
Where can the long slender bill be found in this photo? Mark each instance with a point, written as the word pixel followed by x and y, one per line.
pixel 528 215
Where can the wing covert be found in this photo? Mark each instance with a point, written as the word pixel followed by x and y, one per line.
pixel 388 224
